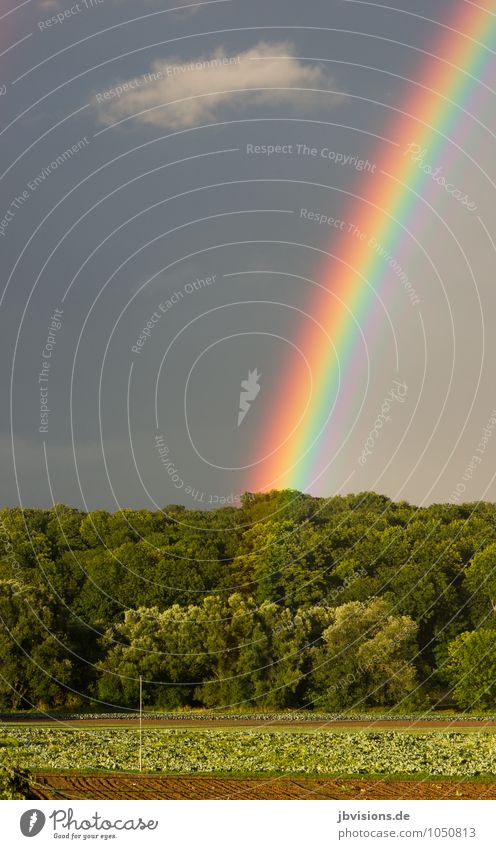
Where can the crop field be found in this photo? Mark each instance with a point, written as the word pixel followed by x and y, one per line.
pixel 257 751
pixel 89 761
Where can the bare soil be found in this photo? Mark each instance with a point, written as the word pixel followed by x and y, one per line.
pixel 131 786
pixel 243 723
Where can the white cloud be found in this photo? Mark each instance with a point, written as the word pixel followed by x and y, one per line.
pixel 197 90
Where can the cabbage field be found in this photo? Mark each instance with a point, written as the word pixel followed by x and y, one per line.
pixel 256 751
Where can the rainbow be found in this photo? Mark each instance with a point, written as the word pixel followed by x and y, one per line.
pixel 348 300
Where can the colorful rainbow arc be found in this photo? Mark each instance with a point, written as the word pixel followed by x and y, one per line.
pixel 432 117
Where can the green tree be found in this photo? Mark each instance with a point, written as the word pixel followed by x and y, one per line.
pixel 35 662
pixel 480 578
pixel 165 647
pixel 365 658
pixel 471 669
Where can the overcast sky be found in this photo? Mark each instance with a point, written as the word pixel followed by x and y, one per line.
pixel 152 256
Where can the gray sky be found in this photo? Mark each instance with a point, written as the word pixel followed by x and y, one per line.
pixel 129 137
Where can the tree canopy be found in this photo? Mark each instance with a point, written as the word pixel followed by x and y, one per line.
pixel 286 601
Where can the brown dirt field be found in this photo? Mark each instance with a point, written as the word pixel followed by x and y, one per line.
pixel 122 786
pixel 226 723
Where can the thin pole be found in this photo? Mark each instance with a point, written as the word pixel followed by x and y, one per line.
pixel 141 725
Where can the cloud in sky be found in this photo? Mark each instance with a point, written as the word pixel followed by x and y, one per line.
pixel 196 91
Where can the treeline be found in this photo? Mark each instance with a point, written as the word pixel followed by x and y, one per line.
pixel 288 601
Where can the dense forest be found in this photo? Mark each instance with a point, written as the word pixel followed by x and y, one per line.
pixel 287 601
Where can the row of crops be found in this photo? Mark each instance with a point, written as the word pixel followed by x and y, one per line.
pixel 256 716
pixel 256 751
